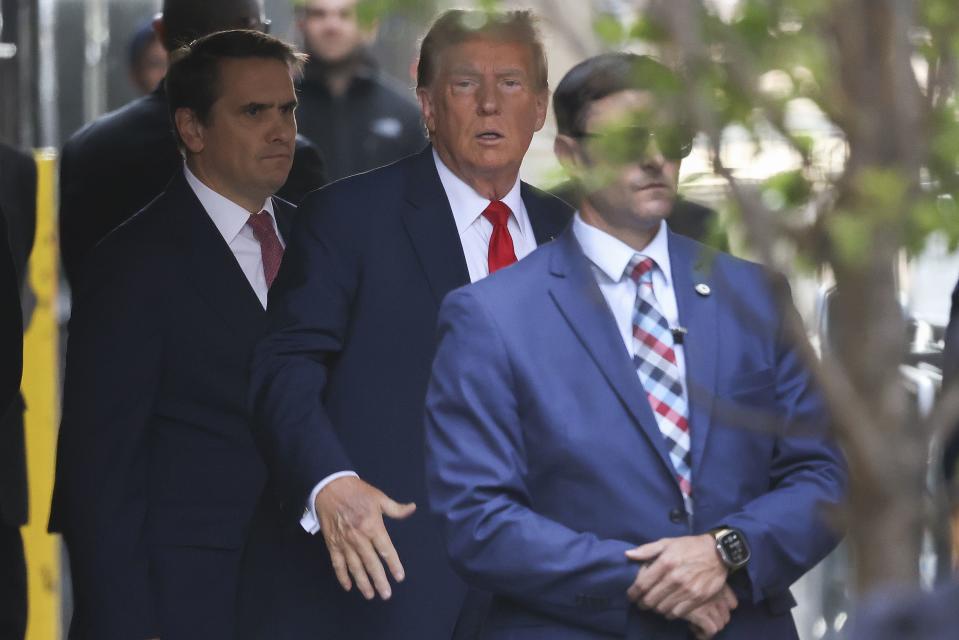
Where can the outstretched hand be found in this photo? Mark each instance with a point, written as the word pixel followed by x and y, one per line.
pixel 351 513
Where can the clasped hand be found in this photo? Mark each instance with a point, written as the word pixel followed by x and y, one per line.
pixel 683 578
pixel 351 520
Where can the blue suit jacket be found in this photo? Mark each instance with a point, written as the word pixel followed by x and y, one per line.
pixel 339 382
pixel 545 463
pixel 157 472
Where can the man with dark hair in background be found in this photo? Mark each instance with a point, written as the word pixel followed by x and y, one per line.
pixel 157 472
pixel 359 118
pixel 18 221
pixel 147 59
pixel 114 166
pixel 339 379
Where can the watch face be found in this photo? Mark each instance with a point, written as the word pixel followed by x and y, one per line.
pixel 735 548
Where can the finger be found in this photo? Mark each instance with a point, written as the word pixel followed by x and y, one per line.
pixel 386 550
pixel 359 573
pixel 651 575
pixel 652 598
pixel 396 510
pixel 647 551
pixel 729 598
pixel 340 569
pixel 374 566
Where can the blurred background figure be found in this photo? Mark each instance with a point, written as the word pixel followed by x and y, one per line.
pixel 18 186
pixel 133 150
pixel 358 117
pixel 148 59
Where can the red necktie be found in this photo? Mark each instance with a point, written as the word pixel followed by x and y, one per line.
pixel 501 252
pixel 270 248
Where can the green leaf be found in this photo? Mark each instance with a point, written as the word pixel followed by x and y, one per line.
pixel 789 189
pixel 609 29
pixel 850 237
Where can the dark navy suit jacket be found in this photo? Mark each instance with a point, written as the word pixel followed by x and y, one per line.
pixel 545 463
pixel 157 472
pixel 339 383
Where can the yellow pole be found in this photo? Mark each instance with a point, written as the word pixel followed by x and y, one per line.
pixel 41 392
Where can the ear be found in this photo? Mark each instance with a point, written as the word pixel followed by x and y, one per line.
pixel 191 130
pixel 542 107
pixel 159 28
pixel 568 153
pixel 426 108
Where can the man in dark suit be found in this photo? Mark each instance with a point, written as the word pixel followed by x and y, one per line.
pixel 602 471
pixel 133 149
pixel 339 380
pixel 18 210
pixel 157 471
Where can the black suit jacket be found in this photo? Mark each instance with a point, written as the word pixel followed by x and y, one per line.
pixel 157 473
pixel 18 203
pixel 114 166
pixel 11 327
pixel 339 383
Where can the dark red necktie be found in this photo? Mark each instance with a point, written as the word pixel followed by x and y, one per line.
pixel 501 252
pixel 271 249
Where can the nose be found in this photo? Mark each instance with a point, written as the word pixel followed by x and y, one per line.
pixel 487 100
pixel 283 129
pixel 652 158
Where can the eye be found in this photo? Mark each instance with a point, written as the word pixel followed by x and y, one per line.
pixel 512 83
pixel 253 110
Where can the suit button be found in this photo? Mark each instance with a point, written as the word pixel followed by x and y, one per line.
pixel 677 516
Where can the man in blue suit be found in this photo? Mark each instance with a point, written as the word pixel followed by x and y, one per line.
pixel 622 440
pixel 339 380
pixel 157 472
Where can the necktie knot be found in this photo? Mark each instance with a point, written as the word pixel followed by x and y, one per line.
pixel 260 223
pixel 640 269
pixel 497 213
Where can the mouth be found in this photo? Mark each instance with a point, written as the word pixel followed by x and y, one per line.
pixel 278 156
pixel 649 186
pixel 489 136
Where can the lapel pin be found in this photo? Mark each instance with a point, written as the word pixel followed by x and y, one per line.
pixel 703 289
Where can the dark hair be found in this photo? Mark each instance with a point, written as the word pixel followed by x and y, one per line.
pixel 139 43
pixel 192 81
pixel 606 74
pixel 457 26
pixel 186 20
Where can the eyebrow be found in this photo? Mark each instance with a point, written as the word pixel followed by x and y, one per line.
pixel 500 73
pixel 262 105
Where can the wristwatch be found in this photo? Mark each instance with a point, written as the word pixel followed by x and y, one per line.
pixel 731 546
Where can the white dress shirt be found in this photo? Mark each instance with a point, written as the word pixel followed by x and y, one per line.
pixel 230 220
pixel 475 232
pixel 609 257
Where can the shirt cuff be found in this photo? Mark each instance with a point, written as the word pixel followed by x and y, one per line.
pixel 310 521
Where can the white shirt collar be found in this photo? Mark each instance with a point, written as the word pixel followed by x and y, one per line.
pixel 611 255
pixel 228 217
pixel 467 205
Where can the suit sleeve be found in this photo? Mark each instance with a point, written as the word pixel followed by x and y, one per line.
pixel 787 527
pixel 476 470
pixel 100 499
pixel 309 314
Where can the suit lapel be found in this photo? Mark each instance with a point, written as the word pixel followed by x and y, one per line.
pixel 574 290
pixel 284 212
pixel 431 228
pixel 212 267
pixel 548 215
pixel 691 267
